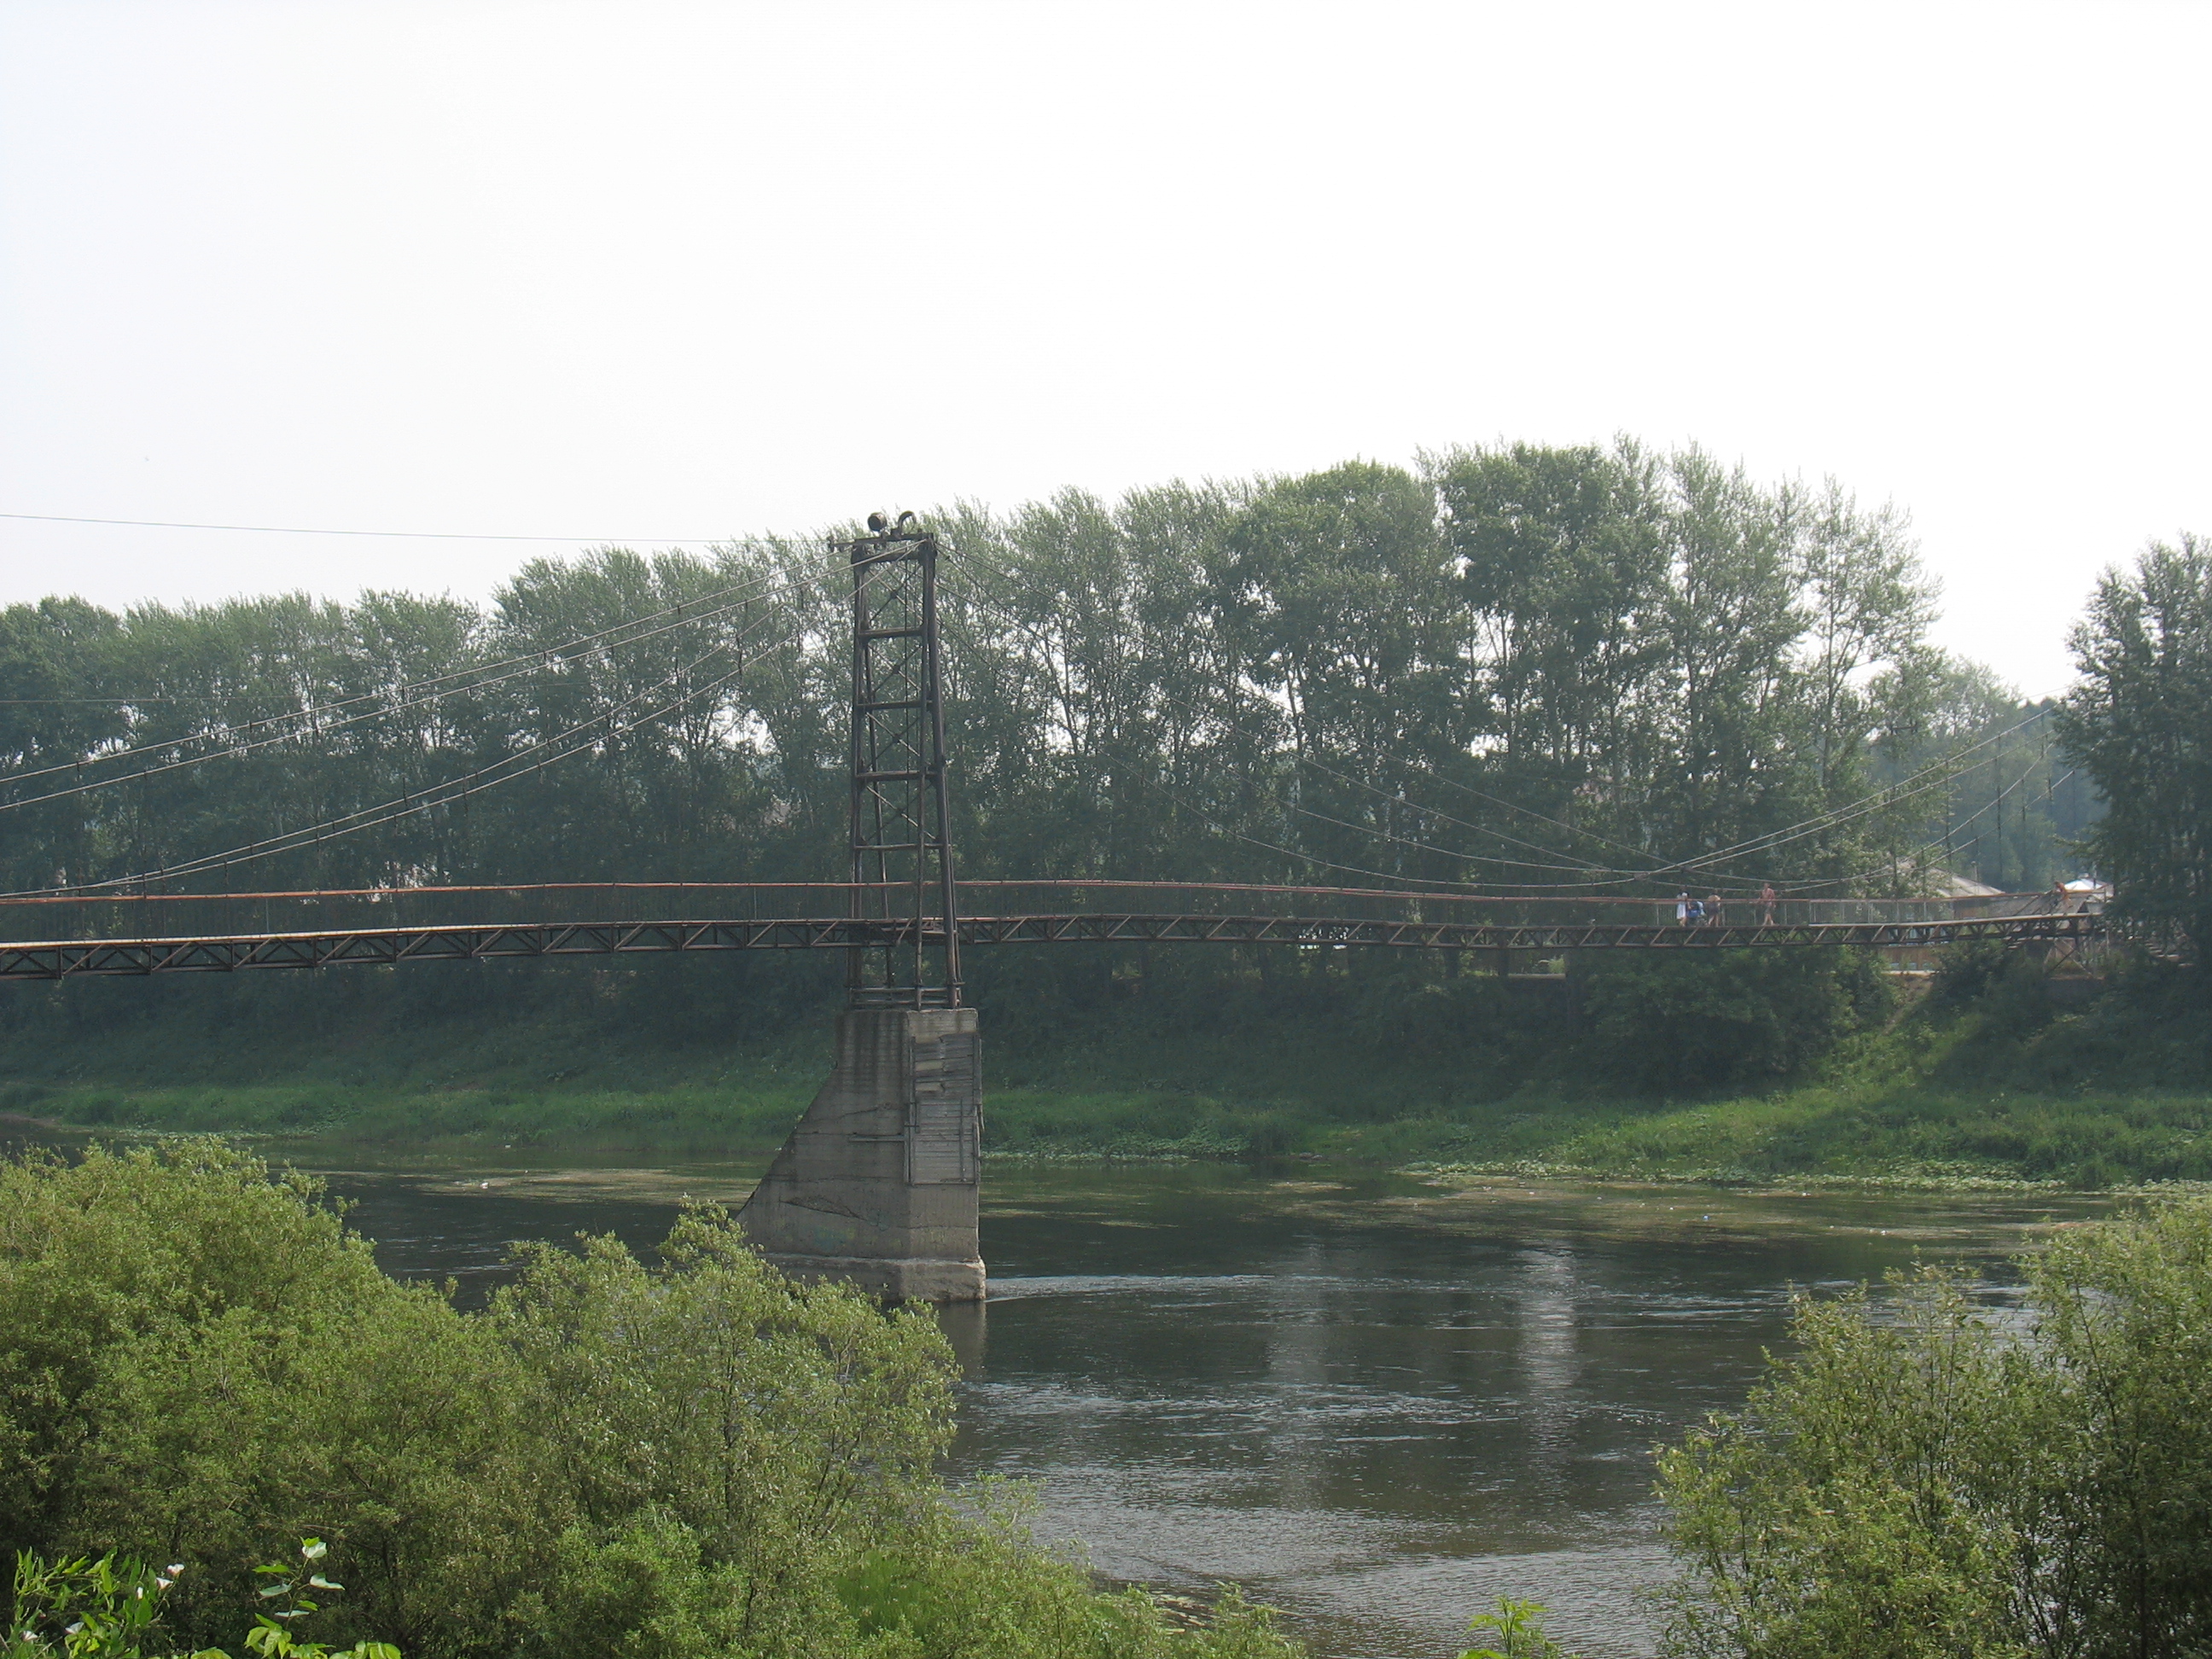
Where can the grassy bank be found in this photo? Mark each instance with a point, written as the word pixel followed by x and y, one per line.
pixel 1653 1072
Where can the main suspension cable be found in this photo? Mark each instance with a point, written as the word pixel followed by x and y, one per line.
pixel 451 789
pixel 1612 875
pixel 564 655
pixel 539 656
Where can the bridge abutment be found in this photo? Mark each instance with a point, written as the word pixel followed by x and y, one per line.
pixel 877 1183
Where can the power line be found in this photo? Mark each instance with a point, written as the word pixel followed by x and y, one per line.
pixel 1616 875
pixel 302 529
pixel 231 751
pixel 1702 864
pixel 1889 794
pixel 1997 800
pixel 439 794
pixel 413 694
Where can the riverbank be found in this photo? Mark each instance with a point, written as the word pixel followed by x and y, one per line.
pixel 1981 1079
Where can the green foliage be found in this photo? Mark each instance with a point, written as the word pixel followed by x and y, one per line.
pixel 2140 722
pixel 81 1609
pixel 697 1458
pixel 1985 1079
pixel 975 1586
pixel 770 1426
pixel 1519 664
pixel 1672 1021
pixel 204 1364
pixel 1519 1628
pixel 1916 1478
pixel 272 1637
pixel 2007 992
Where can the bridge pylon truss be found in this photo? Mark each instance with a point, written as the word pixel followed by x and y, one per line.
pixel 903 889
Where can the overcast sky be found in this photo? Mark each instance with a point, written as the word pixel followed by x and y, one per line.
pixel 657 273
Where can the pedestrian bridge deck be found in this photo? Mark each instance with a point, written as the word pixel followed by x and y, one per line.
pixel 72 936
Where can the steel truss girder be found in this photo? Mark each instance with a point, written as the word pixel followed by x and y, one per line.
pixel 73 958
pixel 1104 928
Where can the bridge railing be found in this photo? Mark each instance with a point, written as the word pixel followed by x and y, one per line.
pixel 202 915
pixel 1014 898
pixel 205 915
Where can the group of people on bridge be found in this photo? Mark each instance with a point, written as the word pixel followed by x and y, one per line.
pixel 1695 912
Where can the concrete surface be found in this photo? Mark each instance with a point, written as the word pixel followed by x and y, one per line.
pixel 878 1184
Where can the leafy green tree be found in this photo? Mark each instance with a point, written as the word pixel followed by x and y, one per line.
pixel 775 1424
pixel 59 706
pixel 1521 663
pixel 2139 722
pixel 203 1363
pixel 1868 603
pixel 701 1460
pixel 1673 1022
pixel 1333 587
pixel 2127 1315
pixel 1561 570
pixel 1735 763
pixel 1917 1479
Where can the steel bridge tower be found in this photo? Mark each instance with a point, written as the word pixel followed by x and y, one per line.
pixel 878 1182
pixel 901 841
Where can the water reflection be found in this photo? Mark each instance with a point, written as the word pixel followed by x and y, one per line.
pixel 1381 1405
pixel 1377 1403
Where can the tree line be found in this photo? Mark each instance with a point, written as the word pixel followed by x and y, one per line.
pixel 1587 668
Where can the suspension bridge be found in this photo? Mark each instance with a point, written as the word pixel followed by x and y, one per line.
pixel 877 1183
pixel 65 938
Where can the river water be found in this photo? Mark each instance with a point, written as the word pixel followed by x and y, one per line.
pixel 1377 1403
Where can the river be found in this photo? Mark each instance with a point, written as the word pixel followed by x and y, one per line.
pixel 1377 1403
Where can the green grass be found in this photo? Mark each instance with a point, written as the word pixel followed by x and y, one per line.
pixel 751 1116
pixel 1984 1082
pixel 1905 1136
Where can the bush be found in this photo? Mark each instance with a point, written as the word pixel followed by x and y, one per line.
pixel 1919 1481
pixel 1671 1021
pixel 110 1608
pixel 700 1458
pixel 204 1367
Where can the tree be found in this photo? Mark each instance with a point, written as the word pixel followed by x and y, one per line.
pixel 2140 723
pixel 1562 570
pixel 1916 1478
pixel 199 1364
pixel 57 707
pixel 1334 587
pixel 1522 664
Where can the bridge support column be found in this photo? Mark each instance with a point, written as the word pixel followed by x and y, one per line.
pixel 878 1184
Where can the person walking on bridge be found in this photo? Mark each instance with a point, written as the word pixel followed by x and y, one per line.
pixel 1683 908
pixel 1766 905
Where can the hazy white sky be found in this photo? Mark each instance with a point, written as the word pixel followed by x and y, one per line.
pixel 655 272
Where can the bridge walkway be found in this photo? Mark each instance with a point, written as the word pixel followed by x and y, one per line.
pixel 140 934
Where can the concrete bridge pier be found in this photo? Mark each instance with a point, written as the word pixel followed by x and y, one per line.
pixel 878 1184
